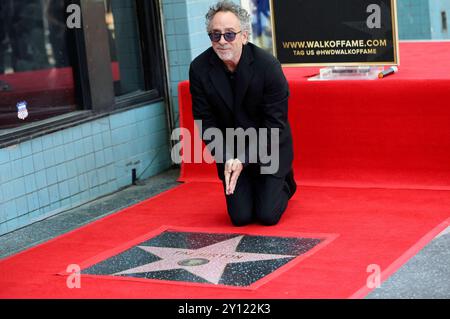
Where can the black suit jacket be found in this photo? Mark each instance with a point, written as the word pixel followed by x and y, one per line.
pixel 260 99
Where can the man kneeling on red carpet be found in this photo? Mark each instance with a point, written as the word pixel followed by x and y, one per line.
pixel 234 84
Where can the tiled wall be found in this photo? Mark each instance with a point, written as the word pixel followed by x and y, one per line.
pixel 58 171
pixel 413 19
pixel 186 37
pixel 436 9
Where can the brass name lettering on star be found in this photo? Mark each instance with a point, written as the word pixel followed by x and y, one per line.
pixel 207 255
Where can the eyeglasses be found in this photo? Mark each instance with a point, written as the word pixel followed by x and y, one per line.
pixel 228 36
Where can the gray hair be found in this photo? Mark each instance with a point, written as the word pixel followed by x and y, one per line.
pixel 229 6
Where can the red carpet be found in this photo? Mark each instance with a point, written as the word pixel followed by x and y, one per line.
pixel 372 165
pixel 392 132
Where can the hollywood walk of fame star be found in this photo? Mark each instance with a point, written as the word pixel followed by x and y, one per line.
pixel 207 262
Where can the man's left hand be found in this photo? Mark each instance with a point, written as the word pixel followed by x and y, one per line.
pixel 233 168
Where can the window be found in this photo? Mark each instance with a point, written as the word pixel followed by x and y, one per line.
pixel 261 23
pixel 125 50
pixel 135 49
pixel 35 61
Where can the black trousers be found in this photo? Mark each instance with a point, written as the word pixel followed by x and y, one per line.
pixel 257 198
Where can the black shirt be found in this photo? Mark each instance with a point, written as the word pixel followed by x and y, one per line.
pixel 232 78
